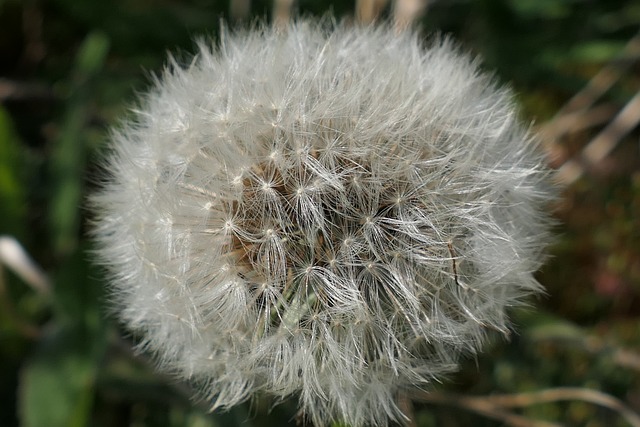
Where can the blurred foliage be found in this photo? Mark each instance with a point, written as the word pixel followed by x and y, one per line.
pixel 70 68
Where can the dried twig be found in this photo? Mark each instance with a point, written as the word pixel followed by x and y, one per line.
pixel 604 142
pixel 597 86
pixel 579 113
pixel 13 255
pixel 581 120
pixel 406 12
pixel 482 406
pixel 368 11
pixel 406 406
pixel 282 12
pixel 567 393
pixel 494 406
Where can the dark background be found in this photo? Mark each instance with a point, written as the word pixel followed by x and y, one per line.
pixel 70 68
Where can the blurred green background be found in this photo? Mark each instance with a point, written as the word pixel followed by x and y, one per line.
pixel 70 68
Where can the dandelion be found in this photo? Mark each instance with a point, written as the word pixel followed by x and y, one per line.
pixel 336 214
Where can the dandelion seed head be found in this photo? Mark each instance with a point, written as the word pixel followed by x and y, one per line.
pixel 333 213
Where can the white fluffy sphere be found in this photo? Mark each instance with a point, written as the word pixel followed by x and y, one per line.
pixel 333 213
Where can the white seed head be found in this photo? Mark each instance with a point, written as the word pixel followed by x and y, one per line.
pixel 332 213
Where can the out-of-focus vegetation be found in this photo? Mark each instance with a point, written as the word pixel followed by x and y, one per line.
pixel 70 68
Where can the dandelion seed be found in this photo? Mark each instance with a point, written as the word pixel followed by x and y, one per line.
pixel 336 214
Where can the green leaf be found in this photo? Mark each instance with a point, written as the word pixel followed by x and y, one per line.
pixel 540 325
pixel 596 51
pixel 69 153
pixel 57 384
pixel 549 9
